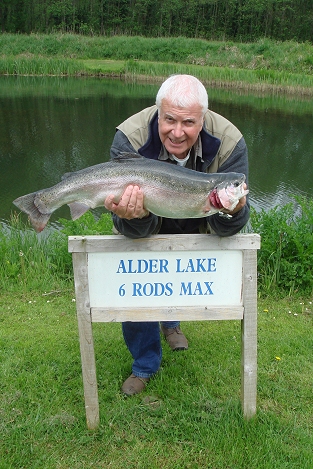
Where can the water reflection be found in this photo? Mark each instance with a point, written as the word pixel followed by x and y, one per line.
pixel 280 152
pixel 52 126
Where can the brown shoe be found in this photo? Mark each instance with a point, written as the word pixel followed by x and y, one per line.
pixel 175 338
pixel 134 385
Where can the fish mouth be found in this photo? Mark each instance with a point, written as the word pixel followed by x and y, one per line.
pixel 215 200
pixel 227 197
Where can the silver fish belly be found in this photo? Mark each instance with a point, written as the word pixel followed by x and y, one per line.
pixel 169 191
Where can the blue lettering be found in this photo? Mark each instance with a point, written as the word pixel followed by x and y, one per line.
pixel 153 266
pixel 163 266
pixel 211 264
pixel 151 289
pixel 148 289
pixel 185 289
pixel 208 286
pixel 197 265
pixel 150 266
pixel 190 266
pixel 159 289
pixel 198 289
pixel 178 269
pixel 130 267
pixel 142 266
pixel 200 266
pixel 137 289
pixel 121 267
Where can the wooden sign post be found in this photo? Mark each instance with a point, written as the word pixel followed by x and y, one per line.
pixel 166 278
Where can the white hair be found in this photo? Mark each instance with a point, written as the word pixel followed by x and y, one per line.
pixel 183 91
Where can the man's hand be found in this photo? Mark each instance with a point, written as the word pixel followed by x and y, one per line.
pixel 242 202
pixel 130 204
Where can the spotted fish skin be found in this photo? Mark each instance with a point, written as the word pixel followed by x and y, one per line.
pixel 170 191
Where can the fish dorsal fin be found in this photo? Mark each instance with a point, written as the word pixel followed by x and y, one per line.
pixel 126 156
pixel 66 175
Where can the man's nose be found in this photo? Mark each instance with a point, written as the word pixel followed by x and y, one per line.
pixel 178 130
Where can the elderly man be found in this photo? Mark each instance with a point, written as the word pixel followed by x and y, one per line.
pixel 179 129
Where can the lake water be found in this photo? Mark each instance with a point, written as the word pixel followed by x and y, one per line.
pixel 50 126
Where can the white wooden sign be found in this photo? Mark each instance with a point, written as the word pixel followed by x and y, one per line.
pixel 166 277
pixel 139 279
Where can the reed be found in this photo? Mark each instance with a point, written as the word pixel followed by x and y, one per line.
pixel 263 64
pixel 40 66
pixel 28 261
pixel 41 261
pixel 260 80
pixel 264 54
pixel 286 256
pixel 285 259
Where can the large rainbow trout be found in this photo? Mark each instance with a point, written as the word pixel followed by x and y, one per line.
pixel 170 191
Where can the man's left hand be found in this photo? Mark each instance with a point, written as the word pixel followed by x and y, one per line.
pixel 241 203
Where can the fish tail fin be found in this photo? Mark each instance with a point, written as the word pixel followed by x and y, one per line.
pixel 26 203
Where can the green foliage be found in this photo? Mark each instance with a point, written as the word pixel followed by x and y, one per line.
pixel 27 258
pixel 31 65
pixel 226 77
pixel 39 261
pixel 87 224
pixel 208 19
pixel 286 257
pixel 263 54
pixel 227 64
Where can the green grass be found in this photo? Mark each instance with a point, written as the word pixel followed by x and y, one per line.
pixel 286 256
pixel 265 54
pixel 31 261
pixel 29 64
pixel 239 78
pixel 189 416
pixel 263 65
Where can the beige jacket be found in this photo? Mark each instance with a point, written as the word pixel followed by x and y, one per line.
pixel 137 128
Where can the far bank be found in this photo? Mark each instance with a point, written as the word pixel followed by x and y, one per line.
pixel 266 65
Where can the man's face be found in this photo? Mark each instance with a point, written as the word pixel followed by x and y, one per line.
pixel 179 127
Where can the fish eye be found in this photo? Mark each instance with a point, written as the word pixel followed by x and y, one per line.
pixel 236 184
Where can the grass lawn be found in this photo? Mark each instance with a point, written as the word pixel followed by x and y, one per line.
pixel 104 67
pixel 189 416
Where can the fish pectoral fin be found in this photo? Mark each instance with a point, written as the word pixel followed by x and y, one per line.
pixel 78 209
pixel 211 211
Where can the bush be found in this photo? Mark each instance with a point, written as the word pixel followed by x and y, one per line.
pixel 42 261
pixel 28 260
pixel 286 257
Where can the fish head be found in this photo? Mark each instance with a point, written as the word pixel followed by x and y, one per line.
pixel 227 193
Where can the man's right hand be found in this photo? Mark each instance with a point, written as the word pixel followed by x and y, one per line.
pixel 130 204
